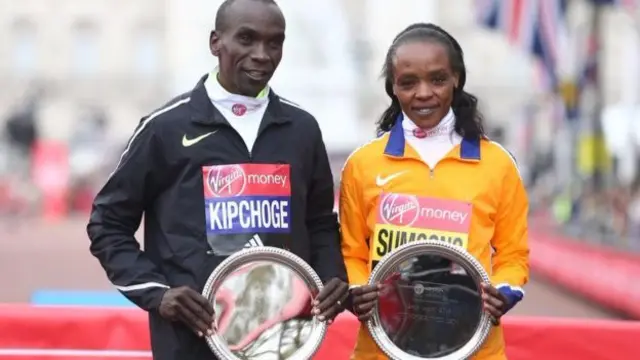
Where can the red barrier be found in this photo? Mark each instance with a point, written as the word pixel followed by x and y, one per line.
pixel 57 333
pixel 605 276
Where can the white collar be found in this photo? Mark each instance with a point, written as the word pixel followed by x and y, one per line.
pixel 221 97
pixel 445 127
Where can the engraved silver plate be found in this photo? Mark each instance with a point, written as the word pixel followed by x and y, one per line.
pixel 262 299
pixel 430 306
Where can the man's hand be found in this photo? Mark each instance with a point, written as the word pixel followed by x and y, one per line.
pixel 494 303
pixel 330 301
pixel 187 305
pixel 364 300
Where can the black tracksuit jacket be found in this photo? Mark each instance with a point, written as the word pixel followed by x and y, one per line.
pixel 161 177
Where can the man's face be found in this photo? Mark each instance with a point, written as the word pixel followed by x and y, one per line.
pixel 249 48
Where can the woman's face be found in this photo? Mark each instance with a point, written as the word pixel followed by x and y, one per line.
pixel 423 81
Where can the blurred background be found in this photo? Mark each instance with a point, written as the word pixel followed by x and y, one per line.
pixel 558 81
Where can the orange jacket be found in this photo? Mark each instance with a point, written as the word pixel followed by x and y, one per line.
pixel 480 175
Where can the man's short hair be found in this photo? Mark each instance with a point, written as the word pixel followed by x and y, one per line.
pixel 221 21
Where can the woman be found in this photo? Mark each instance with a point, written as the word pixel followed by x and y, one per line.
pixel 432 155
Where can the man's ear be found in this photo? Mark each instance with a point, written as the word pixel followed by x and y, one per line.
pixel 214 43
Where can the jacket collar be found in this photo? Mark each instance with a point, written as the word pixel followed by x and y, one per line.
pixel 205 113
pixel 469 147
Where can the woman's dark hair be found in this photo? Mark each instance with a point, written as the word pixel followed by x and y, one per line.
pixel 465 106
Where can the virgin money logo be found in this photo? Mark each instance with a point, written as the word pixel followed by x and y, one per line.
pixel 239 109
pixel 226 180
pixel 400 210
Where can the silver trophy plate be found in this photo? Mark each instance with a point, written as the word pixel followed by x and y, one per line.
pixel 430 305
pixel 262 301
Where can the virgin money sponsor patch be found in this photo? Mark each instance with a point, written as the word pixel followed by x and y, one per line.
pixel 247 198
pixel 402 219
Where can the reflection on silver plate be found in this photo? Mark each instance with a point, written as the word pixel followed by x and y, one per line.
pixel 262 299
pixel 430 305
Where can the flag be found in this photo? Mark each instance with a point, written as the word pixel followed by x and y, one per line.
pixel 538 27
pixel 627 4
pixel 514 18
pixel 630 5
pixel 552 26
pixel 535 26
pixel 488 13
pixel 520 22
pixel 544 61
pixel 549 40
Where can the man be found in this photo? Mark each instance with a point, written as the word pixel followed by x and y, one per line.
pixel 226 166
pixel 21 132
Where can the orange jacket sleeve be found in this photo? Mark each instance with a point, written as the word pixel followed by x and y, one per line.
pixel 353 227
pixel 511 257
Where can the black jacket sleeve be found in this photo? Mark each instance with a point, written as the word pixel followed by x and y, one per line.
pixel 322 221
pixel 116 215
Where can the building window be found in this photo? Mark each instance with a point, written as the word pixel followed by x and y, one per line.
pixel 85 48
pixel 24 55
pixel 147 46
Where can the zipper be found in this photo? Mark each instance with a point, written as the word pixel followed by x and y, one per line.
pixel 432 171
pixel 255 142
pixel 244 145
pixel 211 252
pixel 249 153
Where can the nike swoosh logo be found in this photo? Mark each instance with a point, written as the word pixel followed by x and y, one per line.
pixel 380 181
pixel 189 142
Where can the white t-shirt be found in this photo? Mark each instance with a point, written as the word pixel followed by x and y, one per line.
pixel 244 113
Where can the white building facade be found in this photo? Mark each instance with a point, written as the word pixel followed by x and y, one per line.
pixel 107 54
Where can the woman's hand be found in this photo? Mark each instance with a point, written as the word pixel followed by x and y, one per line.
pixel 364 299
pixel 495 303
